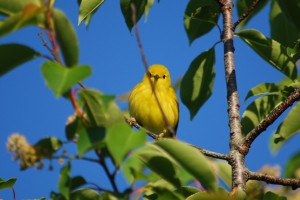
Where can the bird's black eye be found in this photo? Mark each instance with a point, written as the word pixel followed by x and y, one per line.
pixel 164 76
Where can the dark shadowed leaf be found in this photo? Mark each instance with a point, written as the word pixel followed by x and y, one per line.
pixel 100 108
pixel 121 139
pixel 291 10
pixel 192 160
pixel 47 146
pixel 220 195
pixel 187 191
pixel 288 128
pixel 242 7
pixel 66 37
pixel 77 182
pixel 271 51
pixel 87 8
pixel 90 138
pixel 74 124
pixel 292 167
pixel 60 79
pixel 13 55
pixel 283 29
pixel 197 83
pixel 65 181
pixel 86 194
pixel 7 184
pixel 200 17
pixel 140 6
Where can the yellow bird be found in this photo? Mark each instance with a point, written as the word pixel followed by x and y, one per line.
pixel 144 107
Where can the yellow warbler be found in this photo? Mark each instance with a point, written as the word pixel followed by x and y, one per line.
pixel 144 107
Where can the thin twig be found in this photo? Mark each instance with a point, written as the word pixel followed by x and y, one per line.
pixel 139 41
pixel 45 44
pixel 274 114
pixel 76 157
pixel 293 182
pixel 245 14
pixel 138 126
pixel 212 154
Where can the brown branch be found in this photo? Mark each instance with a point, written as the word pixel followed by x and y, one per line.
pixel 139 41
pixel 134 123
pixel 236 159
pixel 211 153
pixel 275 113
pixel 245 14
pixel 293 182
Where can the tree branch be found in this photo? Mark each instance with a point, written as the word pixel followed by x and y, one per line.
pixel 275 113
pixel 245 14
pixel 293 182
pixel 212 154
pixel 236 159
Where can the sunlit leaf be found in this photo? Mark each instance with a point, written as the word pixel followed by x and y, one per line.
pixel 140 6
pixel 220 195
pixel 87 7
pixel 283 29
pixel 86 194
pixel 242 7
pixel 60 79
pixel 292 168
pixel 224 172
pixel 13 55
pixel 192 160
pixel 263 89
pixel 258 110
pixel 47 146
pixel 66 37
pixel 132 169
pixel 197 84
pixel 271 51
pixel 161 190
pixel 100 108
pixel 288 128
pixel 31 14
pixel 7 184
pixel 121 139
pixel 90 138
pixel 65 181
pixel 272 196
pixel 12 7
pixel 200 17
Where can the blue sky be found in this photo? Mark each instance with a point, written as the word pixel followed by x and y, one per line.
pixel 30 108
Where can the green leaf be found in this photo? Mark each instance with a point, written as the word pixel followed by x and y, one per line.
pixel 100 108
pixel 86 194
pixel 200 17
pixel 197 84
pixel 272 196
pixel 77 182
pixel 271 51
pixel 7 184
pixel 65 181
pixel 283 29
pixel 242 7
pixel 66 38
pixel 161 190
pixel 12 7
pixel 292 168
pixel 121 139
pixel 47 146
pixel 224 172
pixel 13 55
pixel 220 195
pixel 187 191
pixel 160 163
pixel 192 160
pixel 132 169
pixel 140 6
pixel 258 110
pixel 60 79
pixel 31 14
pixel 87 8
pixel 288 128
pixel 74 124
pixel 291 10
pixel 264 89
pixel 90 138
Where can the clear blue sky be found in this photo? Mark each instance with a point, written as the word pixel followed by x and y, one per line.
pixel 28 107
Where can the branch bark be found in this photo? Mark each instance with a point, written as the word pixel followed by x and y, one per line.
pixel 236 159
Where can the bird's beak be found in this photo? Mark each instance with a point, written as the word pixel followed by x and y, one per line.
pixel 156 77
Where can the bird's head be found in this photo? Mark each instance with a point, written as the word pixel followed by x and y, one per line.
pixel 159 75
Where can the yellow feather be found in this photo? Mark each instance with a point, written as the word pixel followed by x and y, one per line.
pixel 144 107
